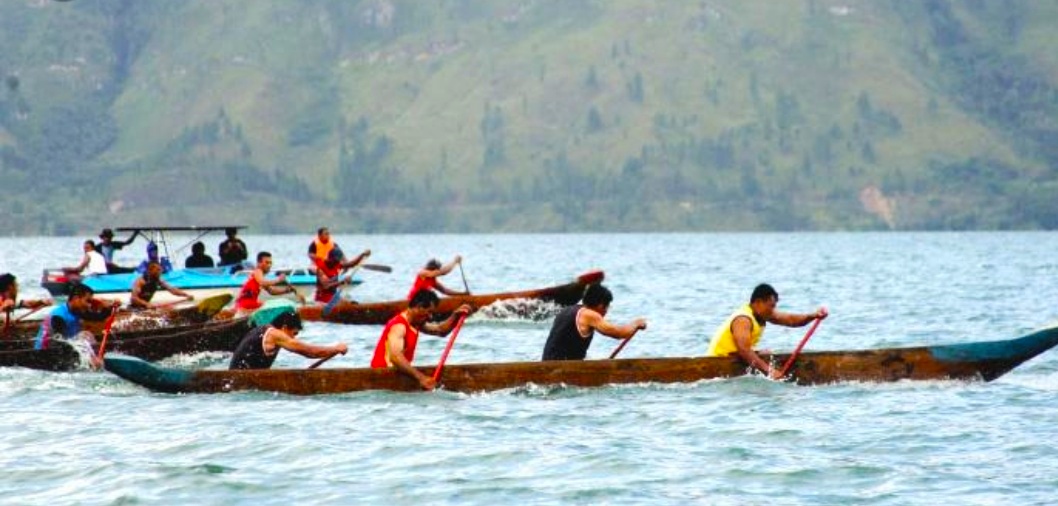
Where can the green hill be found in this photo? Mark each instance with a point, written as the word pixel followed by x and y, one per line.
pixel 530 115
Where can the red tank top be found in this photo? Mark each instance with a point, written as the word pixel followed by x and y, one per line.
pixel 411 338
pixel 325 295
pixel 422 283
pixel 249 293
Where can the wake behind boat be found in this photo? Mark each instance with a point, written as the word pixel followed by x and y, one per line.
pixel 378 313
pixel 969 361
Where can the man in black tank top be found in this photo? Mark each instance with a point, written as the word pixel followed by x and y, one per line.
pixel 574 327
pixel 261 345
pixel 145 286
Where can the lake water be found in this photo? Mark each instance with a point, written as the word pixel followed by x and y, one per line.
pixel 90 438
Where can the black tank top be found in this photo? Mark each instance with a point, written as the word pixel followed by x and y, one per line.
pixel 148 289
pixel 250 352
pixel 564 342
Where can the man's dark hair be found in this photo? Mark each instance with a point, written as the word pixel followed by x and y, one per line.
pixel 764 292
pixel 230 232
pixel 80 290
pixel 92 243
pixel 287 319
pixel 433 264
pixel 321 230
pixel 424 298
pixel 262 255
pixel 198 248
pixel 6 280
pixel 597 295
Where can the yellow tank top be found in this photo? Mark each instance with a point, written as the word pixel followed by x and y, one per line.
pixel 723 342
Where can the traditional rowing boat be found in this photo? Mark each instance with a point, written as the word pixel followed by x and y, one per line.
pixel 378 313
pixel 147 344
pixel 971 361
pixel 126 320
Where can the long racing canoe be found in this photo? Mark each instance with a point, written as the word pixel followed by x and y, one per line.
pixel 378 313
pixel 146 344
pixel 970 361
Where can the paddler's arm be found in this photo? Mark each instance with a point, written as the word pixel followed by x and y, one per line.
pixel 447 291
pixel 270 285
pixel 742 330
pixel 80 267
pixel 356 261
pixel 395 348
pixel 797 320
pixel 443 328
pixel 595 320
pixel 282 340
pixel 176 291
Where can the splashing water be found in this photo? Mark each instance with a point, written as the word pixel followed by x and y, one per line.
pixel 520 309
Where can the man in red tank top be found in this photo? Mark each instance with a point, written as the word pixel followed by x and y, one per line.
pixel 322 247
pixel 427 277
pixel 251 290
pixel 396 345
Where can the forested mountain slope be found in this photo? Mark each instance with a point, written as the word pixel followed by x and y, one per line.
pixel 528 115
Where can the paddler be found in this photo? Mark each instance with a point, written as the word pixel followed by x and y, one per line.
pixel 65 320
pixel 396 345
pixel 145 286
pixel 329 277
pixel 260 346
pixel 741 332
pixel 9 300
pixel 427 277
pixel 251 290
pixel 322 246
pixel 575 326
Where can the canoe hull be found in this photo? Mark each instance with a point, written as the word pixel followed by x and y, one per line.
pixel 152 344
pixel 378 313
pixel 975 361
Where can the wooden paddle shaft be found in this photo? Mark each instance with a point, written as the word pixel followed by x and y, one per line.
pixel 793 356
pixel 448 348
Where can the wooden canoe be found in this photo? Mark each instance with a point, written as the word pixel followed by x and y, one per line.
pixel 150 344
pixel 972 361
pixel 132 321
pixel 378 313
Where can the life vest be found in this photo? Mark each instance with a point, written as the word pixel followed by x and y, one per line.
pixel 723 341
pixel 323 250
pixel 249 293
pixel 422 283
pixel 411 338
pixel 71 321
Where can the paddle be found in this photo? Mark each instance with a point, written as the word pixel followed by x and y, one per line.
pixel 320 361
pixel 448 348
pixel 34 310
pixel 464 276
pixel 106 333
pixel 377 268
pixel 797 351
pixel 620 347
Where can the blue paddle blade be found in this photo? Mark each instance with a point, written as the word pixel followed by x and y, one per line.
pixel 334 302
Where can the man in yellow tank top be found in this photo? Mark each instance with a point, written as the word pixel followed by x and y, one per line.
pixel 741 332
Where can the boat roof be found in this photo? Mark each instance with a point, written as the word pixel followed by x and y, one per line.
pixel 196 228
